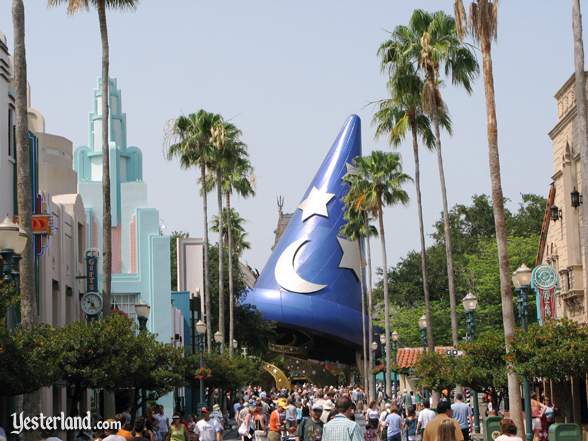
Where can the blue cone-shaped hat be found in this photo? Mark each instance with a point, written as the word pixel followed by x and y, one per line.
pixel 311 280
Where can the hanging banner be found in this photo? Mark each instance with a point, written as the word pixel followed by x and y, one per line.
pixel 545 282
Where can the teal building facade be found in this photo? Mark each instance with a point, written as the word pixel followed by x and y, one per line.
pixel 140 252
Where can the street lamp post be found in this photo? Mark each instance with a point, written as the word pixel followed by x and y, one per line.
pixel 395 337
pixel 201 330
pixel 521 280
pixel 374 348
pixel 470 303
pixel 423 330
pixel 12 244
pixel 142 311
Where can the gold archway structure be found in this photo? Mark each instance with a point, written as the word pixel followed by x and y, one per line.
pixel 282 381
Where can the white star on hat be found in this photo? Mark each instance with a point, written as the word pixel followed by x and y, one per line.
pixel 351 256
pixel 316 203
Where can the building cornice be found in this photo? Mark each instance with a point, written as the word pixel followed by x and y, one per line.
pixel 563 89
pixel 556 175
pixel 562 123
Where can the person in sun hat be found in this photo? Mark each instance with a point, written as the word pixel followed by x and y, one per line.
pixel 275 423
pixel 217 421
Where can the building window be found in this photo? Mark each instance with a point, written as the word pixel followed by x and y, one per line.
pixel 126 303
pixel 11 134
pixel 81 242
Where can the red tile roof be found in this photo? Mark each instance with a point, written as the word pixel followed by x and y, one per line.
pixel 407 358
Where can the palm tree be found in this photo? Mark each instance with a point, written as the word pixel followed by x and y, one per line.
pixel 189 140
pixel 74 6
pixel 398 115
pixel 377 182
pixel 430 42
pixel 224 136
pixel 28 307
pixel 357 228
pixel 236 178
pixel 482 25
pixel 238 232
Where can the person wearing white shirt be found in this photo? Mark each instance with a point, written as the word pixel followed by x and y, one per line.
pixel 425 416
pixel 204 428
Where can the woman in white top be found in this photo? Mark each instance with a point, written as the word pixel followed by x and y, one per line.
pixel 508 431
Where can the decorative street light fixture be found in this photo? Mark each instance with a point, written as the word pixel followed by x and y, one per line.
pixel 200 327
pixel 423 330
pixel 201 330
pixel 13 241
pixel 142 310
pixel 521 280
pixel 470 303
pixel 218 337
pixel 235 344
pixel 383 339
pixel 374 346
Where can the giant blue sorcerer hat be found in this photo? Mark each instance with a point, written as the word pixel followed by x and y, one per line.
pixel 311 281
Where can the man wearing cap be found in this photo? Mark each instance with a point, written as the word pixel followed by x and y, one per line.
pixel 204 429
pixel 341 427
pixel 311 427
pixel 275 422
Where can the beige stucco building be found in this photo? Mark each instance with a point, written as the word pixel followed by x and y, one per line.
pixel 560 245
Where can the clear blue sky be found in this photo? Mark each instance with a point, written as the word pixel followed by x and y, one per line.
pixel 289 73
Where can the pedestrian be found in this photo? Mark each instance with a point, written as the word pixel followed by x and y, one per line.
pixel 508 431
pixel 394 425
pixel 537 411
pixel 446 431
pixel 259 422
pixel 311 427
pixel 443 414
pixel 290 414
pixel 112 431
pixel 162 423
pixel 410 425
pixel 463 414
pixel 425 415
pixel 275 424
pixel 204 429
pixel 177 430
pixel 126 428
pixel 139 432
pixel 217 421
pixel 341 428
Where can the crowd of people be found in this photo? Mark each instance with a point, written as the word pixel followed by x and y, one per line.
pixel 310 413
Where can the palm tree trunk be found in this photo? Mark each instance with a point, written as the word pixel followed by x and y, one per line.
pixel 106 215
pixel 372 386
pixel 581 126
pixel 23 167
pixel 364 343
pixel 508 320
pixel 386 300
pixel 448 246
pixel 417 180
pixel 206 294
pixel 28 304
pixel 230 264
pixel 221 296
